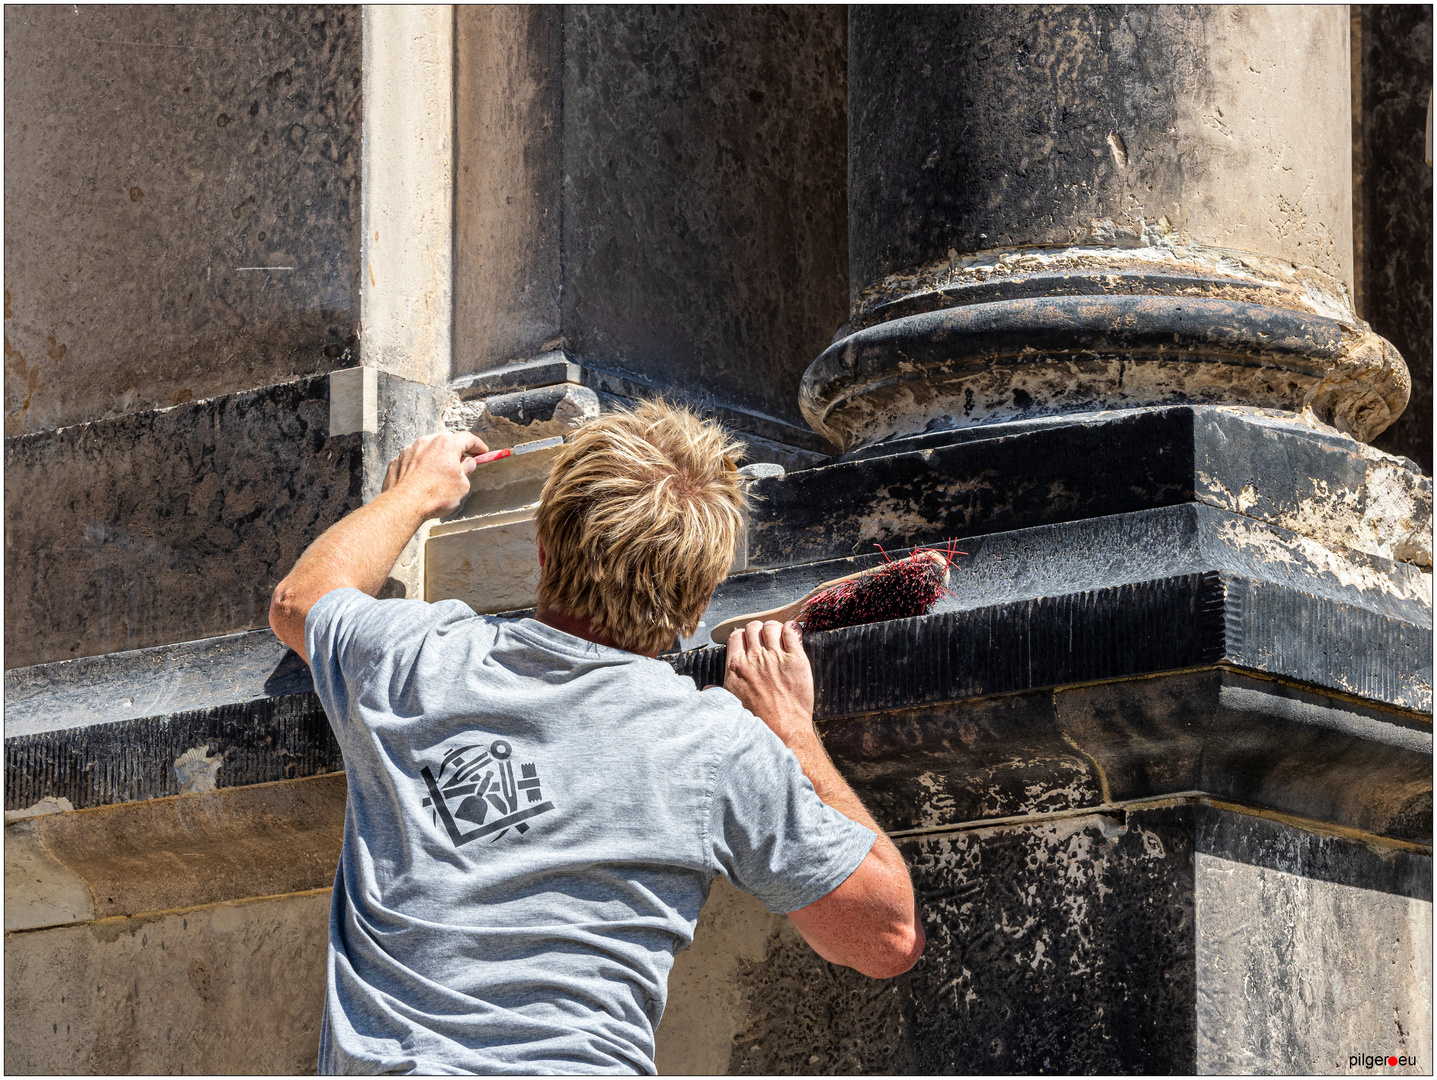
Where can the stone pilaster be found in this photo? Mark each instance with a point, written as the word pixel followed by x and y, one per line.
pixel 648 201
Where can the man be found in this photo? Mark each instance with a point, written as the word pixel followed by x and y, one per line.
pixel 538 806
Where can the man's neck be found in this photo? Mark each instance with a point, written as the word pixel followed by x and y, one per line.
pixel 579 628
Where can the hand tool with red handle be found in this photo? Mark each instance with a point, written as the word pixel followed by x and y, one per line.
pixel 522 448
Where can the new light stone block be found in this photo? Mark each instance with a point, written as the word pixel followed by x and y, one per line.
pixel 353 401
pixel 489 562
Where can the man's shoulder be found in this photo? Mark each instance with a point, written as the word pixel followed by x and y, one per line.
pixel 350 626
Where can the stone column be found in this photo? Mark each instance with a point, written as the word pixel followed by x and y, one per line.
pixel 1055 209
pixel 1161 764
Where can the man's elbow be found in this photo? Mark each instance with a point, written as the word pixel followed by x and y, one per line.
pixel 286 618
pixel 900 949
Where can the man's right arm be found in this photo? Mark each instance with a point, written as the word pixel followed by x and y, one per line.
pixel 870 921
pixel 430 477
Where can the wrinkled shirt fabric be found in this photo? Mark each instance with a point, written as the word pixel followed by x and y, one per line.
pixel 532 826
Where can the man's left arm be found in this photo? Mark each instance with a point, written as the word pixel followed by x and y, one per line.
pixel 428 479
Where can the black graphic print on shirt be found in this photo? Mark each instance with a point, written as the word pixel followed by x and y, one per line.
pixel 476 786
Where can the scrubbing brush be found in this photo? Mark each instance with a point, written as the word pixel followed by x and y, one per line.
pixel 899 589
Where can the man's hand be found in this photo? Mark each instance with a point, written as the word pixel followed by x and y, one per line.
pixel 870 921
pixel 428 479
pixel 768 671
pixel 436 470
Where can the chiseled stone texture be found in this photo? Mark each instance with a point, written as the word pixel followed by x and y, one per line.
pixel 1395 245
pixel 228 988
pixel 151 153
pixel 167 525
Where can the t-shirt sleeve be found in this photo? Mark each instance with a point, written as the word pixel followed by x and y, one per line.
pixel 356 642
pixel 769 832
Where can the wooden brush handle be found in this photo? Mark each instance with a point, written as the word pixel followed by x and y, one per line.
pixel 720 633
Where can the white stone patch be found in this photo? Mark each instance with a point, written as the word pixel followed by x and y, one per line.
pixel 197 770
pixel 50 804
pixel 353 401
pixel 1304 553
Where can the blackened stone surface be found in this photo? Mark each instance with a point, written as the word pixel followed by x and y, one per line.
pixel 1168 939
pixel 660 192
pixel 1012 479
pixel 218 712
pixel 965 716
pixel 971 363
pixel 1120 549
pixel 152 153
pixel 1063 947
pixel 276 738
pixel 1395 245
pixel 981 127
pixel 918 188
pixel 705 195
pixel 169 525
pixel 967 761
pixel 161 681
pixel 803 1016
pixel 1247 740
pixel 1056 948
pixel 1149 627
pixel 931 488
pixel 1257 742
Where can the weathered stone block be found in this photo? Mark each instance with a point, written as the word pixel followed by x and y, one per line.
pixel 188 850
pixel 511 419
pixel 930 488
pixel 981 128
pixel 224 989
pixel 1167 939
pixel 168 525
pixel 181 204
pixel 39 889
pixel 699 157
pixel 1116 549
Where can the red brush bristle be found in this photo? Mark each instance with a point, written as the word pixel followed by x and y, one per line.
pixel 899 590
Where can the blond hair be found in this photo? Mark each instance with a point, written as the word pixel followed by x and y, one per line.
pixel 639 519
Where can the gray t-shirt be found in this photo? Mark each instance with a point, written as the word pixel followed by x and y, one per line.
pixel 533 824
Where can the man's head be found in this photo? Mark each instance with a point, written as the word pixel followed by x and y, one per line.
pixel 638 521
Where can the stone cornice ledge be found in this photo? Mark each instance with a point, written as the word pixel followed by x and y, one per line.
pixel 1135 691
